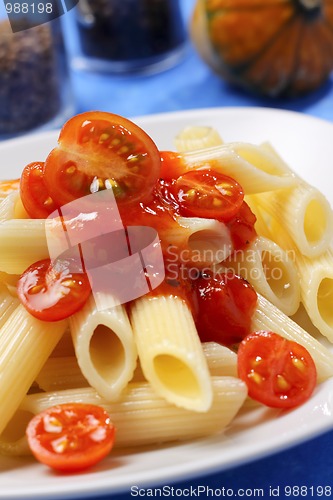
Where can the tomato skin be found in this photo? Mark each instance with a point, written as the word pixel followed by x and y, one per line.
pixel 98 150
pixel 279 373
pixel 242 228
pixel 208 194
pixel 34 194
pixel 53 292
pixel 172 165
pixel 82 433
pixel 225 306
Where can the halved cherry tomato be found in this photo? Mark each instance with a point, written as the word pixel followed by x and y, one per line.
pixel 279 373
pixel 34 194
pixel 98 150
pixel 52 292
pixel 206 193
pixel 71 437
pixel 241 227
pixel 225 304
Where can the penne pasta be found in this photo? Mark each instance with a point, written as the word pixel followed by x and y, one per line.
pixel 198 240
pixel 23 242
pixel 255 169
pixel 25 345
pixel 305 215
pixel 192 138
pixel 316 277
pixel 60 373
pixel 142 417
pixel 271 271
pixel 268 317
pixel 170 351
pixel 104 345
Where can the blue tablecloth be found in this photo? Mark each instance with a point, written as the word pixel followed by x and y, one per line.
pixel 191 84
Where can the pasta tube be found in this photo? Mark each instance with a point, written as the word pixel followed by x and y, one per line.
pixel 198 240
pixel 197 137
pixel 25 345
pixel 142 417
pixel 104 345
pixel 272 273
pixel 8 304
pixel 170 351
pixel 305 216
pixel 23 242
pixel 316 277
pixel 60 373
pixel 256 169
pixel 269 317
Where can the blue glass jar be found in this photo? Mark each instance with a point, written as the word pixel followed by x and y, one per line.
pixel 129 35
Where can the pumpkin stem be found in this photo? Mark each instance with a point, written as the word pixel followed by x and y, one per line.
pixel 311 8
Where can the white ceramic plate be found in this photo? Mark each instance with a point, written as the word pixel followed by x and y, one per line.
pixel 307 144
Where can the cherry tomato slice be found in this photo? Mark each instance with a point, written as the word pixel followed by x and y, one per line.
pixel 34 194
pixel 98 150
pixel 53 292
pixel 279 373
pixel 208 194
pixel 71 437
pixel 225 306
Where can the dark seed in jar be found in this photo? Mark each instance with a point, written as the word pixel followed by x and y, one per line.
pixel 124 30
pixel 29 79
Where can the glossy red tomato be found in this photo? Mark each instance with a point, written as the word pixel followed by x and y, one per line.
pixel 34 194
pixel 242 229
pixel 279 373
pixel 225 306
pixel 98 150
pixel 53 292
pixel 208 194
pixel 71 437
pixel 172 165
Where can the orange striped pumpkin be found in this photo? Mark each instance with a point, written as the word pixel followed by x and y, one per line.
pixel 273 47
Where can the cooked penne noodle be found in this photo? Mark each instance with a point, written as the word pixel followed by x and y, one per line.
pixel 254 168
pixel 305 215
pixel 8 304
pixel 23 242
pixel 271 271
pixel 8 187
pixel 170 351
pixel 198 240
pixel 221 360
pixel 61 373
pixel 197 137
pixel 104 345
pixel 25 345
pixel 268 317
pixel 142 417
pixel 9 206
pixel 316 277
